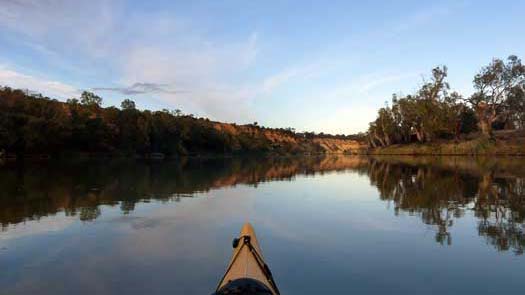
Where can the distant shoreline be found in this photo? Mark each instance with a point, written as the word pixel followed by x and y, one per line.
pixel 158 156
pixel 431 150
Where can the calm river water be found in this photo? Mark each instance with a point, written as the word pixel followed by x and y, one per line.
pixel 326 225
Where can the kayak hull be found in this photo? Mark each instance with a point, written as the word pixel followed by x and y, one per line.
pixel 247 263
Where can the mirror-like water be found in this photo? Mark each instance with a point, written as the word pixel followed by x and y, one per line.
pixel 327 225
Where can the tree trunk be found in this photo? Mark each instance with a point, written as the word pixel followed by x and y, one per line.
pixel 486 115
pixel 381 142
pixel 486 127
pixel 372 142
pixel 428 137
pixel 485 188
pixel 387 140
pixel 420 136
pixel 457 130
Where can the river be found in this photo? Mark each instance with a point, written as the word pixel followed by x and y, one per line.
pixel 326 225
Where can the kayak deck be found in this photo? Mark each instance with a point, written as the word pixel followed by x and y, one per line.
pixel 247 261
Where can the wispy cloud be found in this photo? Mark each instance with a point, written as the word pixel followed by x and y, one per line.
pixel 294 73
pixel 47 87
pixel 431 13
pixel 209 74
pixel 140 88
pixel 371 82
pixel 85 26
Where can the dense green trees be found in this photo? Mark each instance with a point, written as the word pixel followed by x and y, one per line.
pixel 434 112
pixel 127 104
pixel 431 113
pixel 498 86
pixel 90 99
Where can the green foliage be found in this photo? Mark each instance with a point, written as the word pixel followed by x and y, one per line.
pixel 432 113
pixel 127 104
pixel 90 99
pixel 516 107
pixel 469 122
pixel 72 101
pixel 499 87
pixel 429 114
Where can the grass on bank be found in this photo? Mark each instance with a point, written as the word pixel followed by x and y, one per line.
pixel 505 142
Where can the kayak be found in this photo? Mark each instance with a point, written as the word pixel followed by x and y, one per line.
pixel 247 273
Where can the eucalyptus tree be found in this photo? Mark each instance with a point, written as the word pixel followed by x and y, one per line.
pixel 127 104
pixel 384 130
pixel 433 105
pixel 429 113
pixel 90 99
pixel 387 125
pixel 516 107
pixel 494 85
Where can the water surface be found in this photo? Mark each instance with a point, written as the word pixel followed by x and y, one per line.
pixel 327 225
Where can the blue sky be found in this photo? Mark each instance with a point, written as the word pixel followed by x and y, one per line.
pixel 323 66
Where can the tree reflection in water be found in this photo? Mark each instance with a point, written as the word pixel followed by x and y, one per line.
pixel 442 191
pixel 438 190
pixel 500 207
pixel 34 190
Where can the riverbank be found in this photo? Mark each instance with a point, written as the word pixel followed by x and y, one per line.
pixel 504 144
pixel 279 148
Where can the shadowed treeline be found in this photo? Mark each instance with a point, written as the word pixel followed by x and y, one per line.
pixel 32 125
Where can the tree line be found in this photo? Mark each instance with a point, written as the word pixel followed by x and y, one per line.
pixel 435 112
pixel 31 124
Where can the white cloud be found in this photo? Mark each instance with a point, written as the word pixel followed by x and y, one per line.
pixel 207 76
pixel 54 89
pixel 61 24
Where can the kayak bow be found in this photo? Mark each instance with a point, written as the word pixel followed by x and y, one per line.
pixel 247 273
